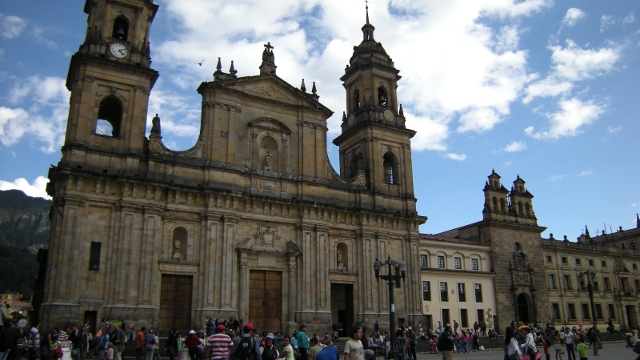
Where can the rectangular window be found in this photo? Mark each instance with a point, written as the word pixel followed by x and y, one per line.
pixel 555 311
pixel 572 311
pixel 607 284
pixel 457 262
pixel 426 290
pixel 567 283
pixel 599 313
pixel 423 261
pixel 446 317
pixel 549 259
pixel 441 261
pixel 564 260
pixel 464 318
pixel 462 296
pixel 625 285
pixel 578 262
pixel 478 290
pixel 591 263
pixel 638 285
pixel 474 264
pixel 604 264
pixel 586 314
pixel 552 281
pixel 612 311
pixel 635 266
pixel 444 295
pixel 480 315
pixel 94 256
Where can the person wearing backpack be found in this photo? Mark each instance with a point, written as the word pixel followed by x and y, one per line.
pixel 246 347
pixel 149 344
pixel 103 345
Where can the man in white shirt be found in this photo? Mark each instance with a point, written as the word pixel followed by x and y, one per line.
pixel 353 349
pixel 568 340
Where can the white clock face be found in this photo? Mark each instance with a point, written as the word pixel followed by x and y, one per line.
pixel 118 50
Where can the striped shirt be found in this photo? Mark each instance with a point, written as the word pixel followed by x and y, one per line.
pixel 219 345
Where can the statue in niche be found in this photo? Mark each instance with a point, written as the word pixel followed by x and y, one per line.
pixel 177 247
pixel 341 254
pixel 360 162
pixel 267 161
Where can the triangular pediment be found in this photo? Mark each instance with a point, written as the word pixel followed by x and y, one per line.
pixel 273 88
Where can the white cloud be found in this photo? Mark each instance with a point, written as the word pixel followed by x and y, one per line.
pixel 613 130
pixel 515 146
pixel 549 86
pixel 457 157
pixel 572 16
pixel 629 19
pixel 585 173
pixel 11 26
pixel 479 120
pixel 605 22
pixel 507 163
pixel 44 120
pixel 574 63
pixel 38 189
pixel 569 119
pixel 556 177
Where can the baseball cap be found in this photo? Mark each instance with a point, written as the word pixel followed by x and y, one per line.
pixel 221 327
pixel 249 326
pixel 191 332
pixel 270 336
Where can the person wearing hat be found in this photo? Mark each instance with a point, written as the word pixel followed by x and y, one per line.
pixel 303 342
pixel 269 352
pixel 218 344
pixel 529 340
pixel 192 342
pixel 246 347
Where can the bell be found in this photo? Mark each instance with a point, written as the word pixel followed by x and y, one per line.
pixel 120 33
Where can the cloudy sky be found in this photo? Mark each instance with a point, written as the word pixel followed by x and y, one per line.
pixel 544 89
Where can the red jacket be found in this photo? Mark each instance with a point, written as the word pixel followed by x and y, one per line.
pixel 140 340
pixel 192 341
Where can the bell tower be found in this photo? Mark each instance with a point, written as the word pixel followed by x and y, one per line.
pixel 110 80
pixel 375 145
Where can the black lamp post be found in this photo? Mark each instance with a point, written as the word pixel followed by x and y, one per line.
pixel 591 276
pixel 391 277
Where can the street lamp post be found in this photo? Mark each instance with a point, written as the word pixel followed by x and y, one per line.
pixel 591 276
pixel 391 277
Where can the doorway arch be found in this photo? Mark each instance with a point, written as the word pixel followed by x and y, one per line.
pixel 523 303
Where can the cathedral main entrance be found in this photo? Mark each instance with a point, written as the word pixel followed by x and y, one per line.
pixel 175 303
pixel 342 307
pixel 265 300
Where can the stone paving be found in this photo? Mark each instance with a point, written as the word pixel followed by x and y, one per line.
pixel 611 350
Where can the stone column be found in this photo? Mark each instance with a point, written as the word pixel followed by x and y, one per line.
pixel 242 287
pixel 292 289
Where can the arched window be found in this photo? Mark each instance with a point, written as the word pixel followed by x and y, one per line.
pixel 495 204
pixel 382 96
pixel 520 208
pixel 390 168
pixel 356 100
pixel 502 205
pixel 109 117
pixel 527 209
pixel 120 28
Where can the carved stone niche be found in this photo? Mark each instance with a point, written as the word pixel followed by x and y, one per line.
pixel 267 235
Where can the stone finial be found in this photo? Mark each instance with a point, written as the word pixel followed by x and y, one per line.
pixel 401 112
pixel 303 87
pixel 344 116
pixel 219 66
pixel 232 70
pixel 313 89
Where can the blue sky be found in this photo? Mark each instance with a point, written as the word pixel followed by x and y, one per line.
pixel 544 89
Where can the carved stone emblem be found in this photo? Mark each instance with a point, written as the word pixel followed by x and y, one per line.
pixel 267 235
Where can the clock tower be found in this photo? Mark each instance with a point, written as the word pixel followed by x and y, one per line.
pixel 110 80
pixel 375 145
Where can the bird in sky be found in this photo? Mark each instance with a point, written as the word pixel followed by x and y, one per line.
pixel 200 63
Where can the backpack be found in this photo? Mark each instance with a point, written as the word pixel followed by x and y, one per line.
pixel 104 342
pixel 244 349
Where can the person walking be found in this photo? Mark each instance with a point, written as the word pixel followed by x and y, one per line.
pixel 445 344
pixel 569 338
pixel 118 338
pixel 512 349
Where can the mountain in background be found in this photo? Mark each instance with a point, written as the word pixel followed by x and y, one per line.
pixel 24 228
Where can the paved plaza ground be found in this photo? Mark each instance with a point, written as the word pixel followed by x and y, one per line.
pixel 610 351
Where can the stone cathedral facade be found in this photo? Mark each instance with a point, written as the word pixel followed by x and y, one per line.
pixel 253 221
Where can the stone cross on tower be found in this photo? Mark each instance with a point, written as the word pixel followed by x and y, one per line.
pixel 268 65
